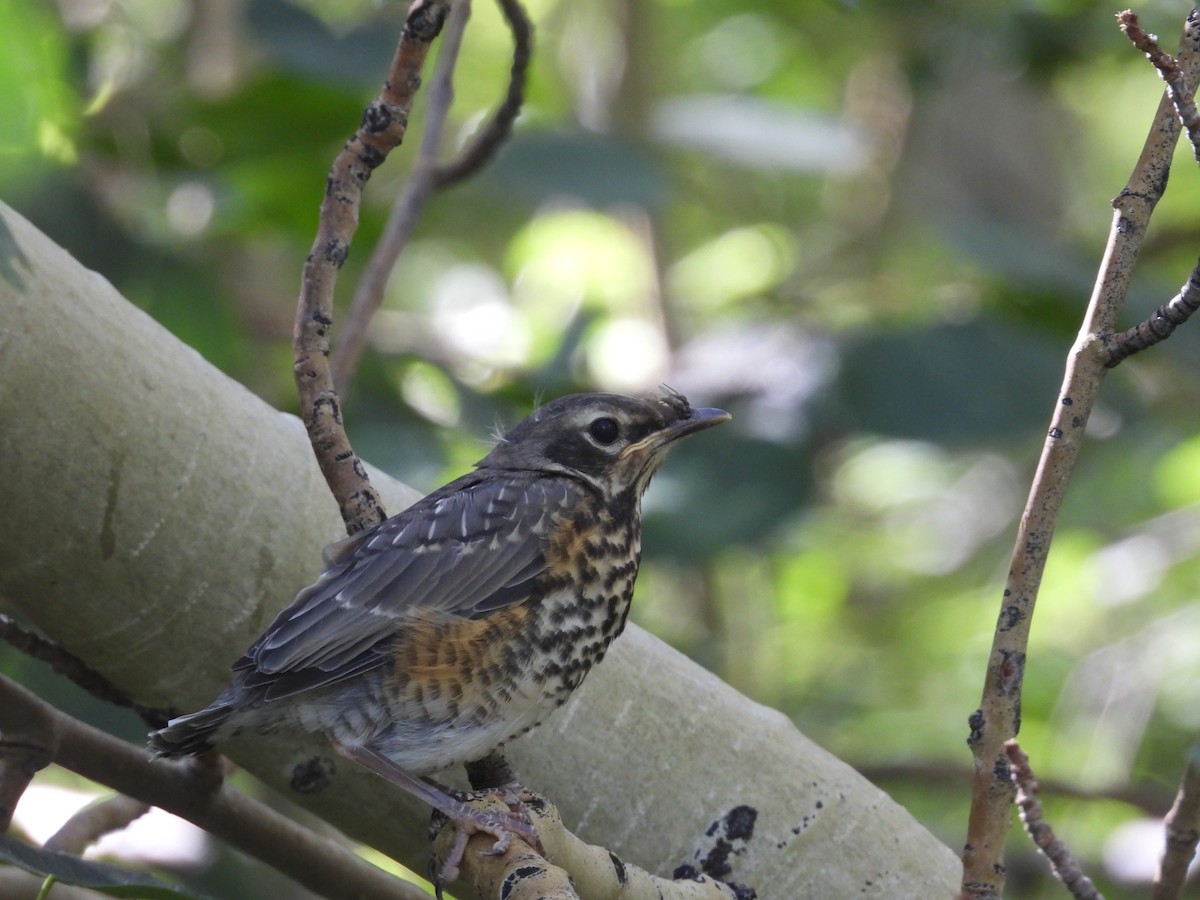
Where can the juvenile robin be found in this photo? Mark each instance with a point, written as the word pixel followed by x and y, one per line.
pixel 445 631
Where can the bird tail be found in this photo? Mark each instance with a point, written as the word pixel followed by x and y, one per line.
pixel 192 734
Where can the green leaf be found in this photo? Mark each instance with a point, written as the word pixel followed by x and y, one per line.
pixel 85 873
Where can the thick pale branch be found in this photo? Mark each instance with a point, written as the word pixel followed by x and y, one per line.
pixel 998 718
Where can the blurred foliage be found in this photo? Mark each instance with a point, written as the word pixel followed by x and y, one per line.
pixel 869 230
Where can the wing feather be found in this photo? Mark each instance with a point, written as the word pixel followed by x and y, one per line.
pixel 468 549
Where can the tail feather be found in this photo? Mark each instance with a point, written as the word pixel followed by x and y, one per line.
pixel 192 734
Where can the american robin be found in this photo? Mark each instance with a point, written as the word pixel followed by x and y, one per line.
pixel 440 634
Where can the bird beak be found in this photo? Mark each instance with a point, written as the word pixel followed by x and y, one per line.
pixel 697 420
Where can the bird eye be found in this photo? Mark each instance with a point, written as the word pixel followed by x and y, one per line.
pixel 604 430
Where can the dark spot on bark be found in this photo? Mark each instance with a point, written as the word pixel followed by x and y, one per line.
pixel 313 775
pixel 975 721
pixel 327 406
pixel 336 252
pixel 425 21
pixel 685 873
pixel 739 822
pixel 716 862
pixel 376 117
pixel 1012 671
pixel 371 157
pixel 1056 433
pixel 1010 616
pixel 619 868
pixel 1000 770
pixel 515 877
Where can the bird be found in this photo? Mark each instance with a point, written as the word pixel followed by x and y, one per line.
pixel 434 638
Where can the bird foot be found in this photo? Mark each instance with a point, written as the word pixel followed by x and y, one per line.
pixel 469 821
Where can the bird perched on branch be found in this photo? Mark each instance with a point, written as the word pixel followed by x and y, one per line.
pixel 440 634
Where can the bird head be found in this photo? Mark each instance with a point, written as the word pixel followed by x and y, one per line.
pixel 613 442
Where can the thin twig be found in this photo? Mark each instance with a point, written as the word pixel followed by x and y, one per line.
pixel 998 718
pixel 1183 833
pixel 1181 93
pixel 383 127
pixel 75 669
pixel 317 862
pixel 1159 326
pixel 428 176
pixel 495 131
pixel 408 206
pixel 94 821
pixel 1062 862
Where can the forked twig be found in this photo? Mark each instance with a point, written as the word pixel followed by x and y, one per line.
pixel 429 176
pixel 1179 89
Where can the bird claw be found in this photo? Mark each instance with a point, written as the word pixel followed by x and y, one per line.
pixel 500 825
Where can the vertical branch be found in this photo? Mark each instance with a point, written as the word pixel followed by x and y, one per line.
pixel 383 127
pixel 998 718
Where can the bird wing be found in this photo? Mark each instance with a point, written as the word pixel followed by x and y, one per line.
pixel 472 547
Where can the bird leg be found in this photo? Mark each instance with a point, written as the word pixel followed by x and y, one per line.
pixel 466 819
